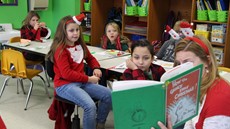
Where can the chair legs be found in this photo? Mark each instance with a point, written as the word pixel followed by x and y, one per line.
pixel 29 94
pixel 46 76
pixel 43 69
pixel 19 82
pixel 4 85
pixel 31 88
pixel 45 86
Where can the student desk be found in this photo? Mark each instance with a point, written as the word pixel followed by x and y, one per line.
pixel 40 48
pixel 100 53
pixel 6 35
pixel 111 64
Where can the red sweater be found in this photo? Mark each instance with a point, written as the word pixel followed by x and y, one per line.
pixel 217 102
pixel 28 32
pixel 69 65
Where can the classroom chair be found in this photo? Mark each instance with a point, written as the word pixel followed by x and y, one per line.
pixel 20 71
pixel 29 62
pixel 225 69
pixel 224 72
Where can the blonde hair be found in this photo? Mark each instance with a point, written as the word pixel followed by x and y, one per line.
pixel 114 25
pixel 29 16
pixel 210 60
pixel 176 26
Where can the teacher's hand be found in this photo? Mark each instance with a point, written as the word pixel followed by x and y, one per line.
pixel 162 126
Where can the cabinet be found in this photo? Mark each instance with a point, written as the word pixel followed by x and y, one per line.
pixel 157 12
pixel 226 43
pixel 99 13
pixel 155 20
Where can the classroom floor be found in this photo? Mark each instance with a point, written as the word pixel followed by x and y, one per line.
pixel 36 116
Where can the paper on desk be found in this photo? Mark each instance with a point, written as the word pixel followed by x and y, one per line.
pixel 104 54
pixel 121 66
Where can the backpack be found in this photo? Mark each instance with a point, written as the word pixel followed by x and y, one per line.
pixel 156 45
pixel 170 22
pixel 115 15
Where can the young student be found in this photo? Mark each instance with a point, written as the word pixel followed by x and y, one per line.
pixel 113 38
pixel 166 51
pixel 140 66
pixel 214 96
pixel 34 30
pixel 68 53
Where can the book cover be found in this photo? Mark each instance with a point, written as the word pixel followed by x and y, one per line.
pixel 219 54
pixel 218 34
pixel 140 104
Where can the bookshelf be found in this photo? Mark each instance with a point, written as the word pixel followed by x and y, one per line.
pixel 216 45
pixel 155 20
pixel 152 23
pixel 99 13
pixel 157 13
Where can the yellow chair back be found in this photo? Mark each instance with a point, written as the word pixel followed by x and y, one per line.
pixel 225 69
pixel 15 58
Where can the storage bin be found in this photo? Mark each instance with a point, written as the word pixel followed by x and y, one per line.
pixel 212 15
pixel 131 10
pixel 222 16
pixel 87 6
pixel 142 11
pixel 86 38
pixel 203 33
pixel 202 15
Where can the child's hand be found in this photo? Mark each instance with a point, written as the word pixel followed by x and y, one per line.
pixel 97 72
pixel 36 26
pixel 93 79
pixel 130 64
pixel 42 24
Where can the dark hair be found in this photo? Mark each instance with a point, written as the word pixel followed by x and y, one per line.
pixel 142 43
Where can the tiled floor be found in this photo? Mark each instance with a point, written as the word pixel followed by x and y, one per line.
pixel 36 117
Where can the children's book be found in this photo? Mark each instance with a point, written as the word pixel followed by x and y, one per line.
pixel 218 33
pixel 219 53
pixel 140 104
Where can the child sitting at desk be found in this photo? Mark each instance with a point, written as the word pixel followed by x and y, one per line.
pixel 113 38
pixel 34 30
pixel 140 66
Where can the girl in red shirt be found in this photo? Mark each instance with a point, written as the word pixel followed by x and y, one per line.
pixel 68 53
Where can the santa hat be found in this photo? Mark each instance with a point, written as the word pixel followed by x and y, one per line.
pixel 186 29
pixel 172 32
pixel 79 18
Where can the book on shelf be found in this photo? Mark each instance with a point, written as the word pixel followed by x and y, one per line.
pixel 136 27
pixel 219 54
pixel 218 33
pixel 140 104
pixel 203 27
pixel 87 33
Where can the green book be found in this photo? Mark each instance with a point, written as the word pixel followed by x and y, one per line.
pixel 140 104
